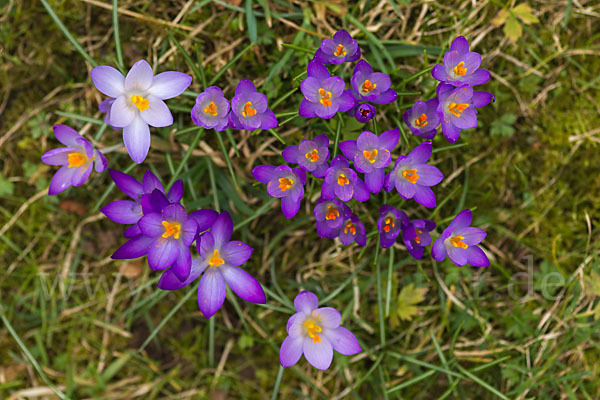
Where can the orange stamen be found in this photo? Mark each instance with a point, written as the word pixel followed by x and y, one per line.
pixel 410 175
pixel 457 108
pixel 421 121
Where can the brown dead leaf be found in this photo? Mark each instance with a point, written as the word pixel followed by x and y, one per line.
pixel 73 207
pixel 132 269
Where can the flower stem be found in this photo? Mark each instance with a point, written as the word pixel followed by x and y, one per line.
pixel 110 149
pixel 337 135
pixel 211 341
pixel 379 296
pixel 186 157
pixel 119 51
pixel 277 383
pixel 227 160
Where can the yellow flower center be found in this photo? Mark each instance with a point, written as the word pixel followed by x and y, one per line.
pixel 370 155
pixel 457 108
pixel 332 213
pixel 417 238
pixel 140 102
pixel 367 86
pixel 215 260
pixel 313 156
pixel 342 180
pixel 285 183
pixel 312 328
pixel 421 121
pixel 460 69
pixel 325 97
pixel 248 110
pixel 350 227
pixel 76 159
pixel 211 109
pixel 364 112
pixel 388 224
pixel 339 51
pixel 456 241
pixel 171 229
pixel 410 175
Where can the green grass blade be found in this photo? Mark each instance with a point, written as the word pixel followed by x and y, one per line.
pixel 251 22
pixel 118 50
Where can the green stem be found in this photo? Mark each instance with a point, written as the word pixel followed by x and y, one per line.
pixel 379 296
pixel 337 135
pixel 211 341
pixel 277 383
pixel 227 160
pixel 186 157
pixel 115 17
pixel 213 184
pixel 388 292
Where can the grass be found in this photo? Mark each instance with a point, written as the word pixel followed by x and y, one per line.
pixel 524 328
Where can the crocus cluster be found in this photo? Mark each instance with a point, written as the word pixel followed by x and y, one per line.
pixel 248 109
pixel 455 106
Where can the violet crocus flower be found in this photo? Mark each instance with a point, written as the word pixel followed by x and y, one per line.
pixel 172 232
pixel 211 109
pixel 353 231
pixel 341 181
pixel 416 236
pixel 371 86
pixel 390 222
pixel 459 241
pixel 139 101
pixel 104 107
pixel 412 177
pixel 330 216
pixel 456 108
pixel 340 49
pixel 324 95
pixel 315 332
pixel 77 160
pixel 363 112
pixel 461 66
pixel 371 154
pixel 283 182
pixel 249 109
pixel 423 119
pixel 311 155
pixel 220 258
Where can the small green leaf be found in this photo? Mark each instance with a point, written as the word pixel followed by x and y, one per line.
pixel 500 18
pixel 523 12
pixel 251 21
pixel 512 28
pixel 593 282
pixel 7 188
pixel 408 299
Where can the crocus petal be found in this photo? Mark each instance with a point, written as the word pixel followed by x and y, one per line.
pixel 367 141
pixel 222 229
pixel 476 257
pixel 317 70
pixel 132 232
pixel 349 148
pixel 289 154
pixel 211 292
pixel 467 119
pixel 346 101
pixel 472 61
pixel 478 77
pixel 462 220
pixel 137 139
pixel 265 173
pixel 168 280
pixel 438 251
pixel 108 81
pixel 62 179
pixel 450 131
pixel 169 84
pixel 421 153
pixel 123 211
pixel 343 341
pixel 139 76
pixel 329 318
pixel 243 284
pixel 151 225
pixel 439 72
pixel 290 206
pixel 306 302
pixel 66 135
pixel 310 89
pixel 405 188
pixel 308 109
pixel 58 156
pixel 424 196
pixel 100 162
pixel 318 354
pixel 176 191
pixel 460 44
pixel 291 350
pixel 481 98
pixel 181 267
pixel 471 236
pixel 386 97
pixel 428 174
pixel 457 255
pixel 326 112
pixel 236 253
pixel 126 183
pixel 389 139
pixel 268 120
pixel 361 193
pixel 204 218
pixel 374 180
pixel 121 112
pixel 151 182
pixel 162 253
pixel 134 248
pixel 158 114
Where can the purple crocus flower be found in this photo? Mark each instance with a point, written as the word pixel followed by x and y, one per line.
pixel 390 222
pixel 324 95
pixel 371 154
pixel 353 231
pixel 371 86
pixel 363 112
pixel 459 241
pixel 412 177
pixel 104 107
pixel 139 101
pixel 341 181
pixel 311 155
pixel 211 109
pixel 456 108
pixel 249 109
pixel 330 216
pixel 220 258
pixel 283 182
pixel 416 236
pixel 77 160
pixel 423 119
pixel 340 49
pixel 172 233
pixel 461 66
pixel 315 332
